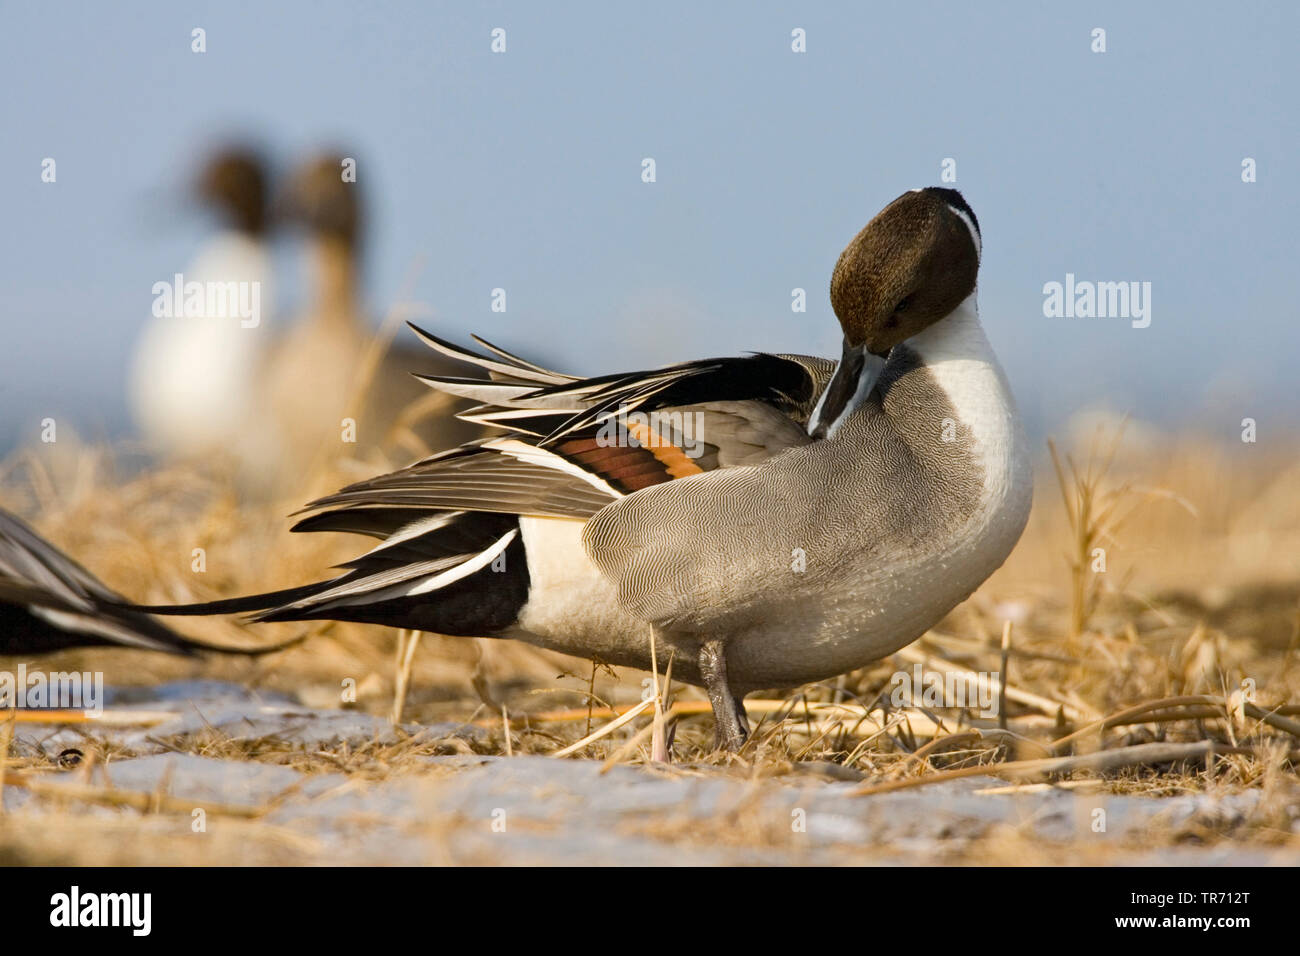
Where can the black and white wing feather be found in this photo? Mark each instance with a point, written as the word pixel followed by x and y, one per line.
pixel 446 522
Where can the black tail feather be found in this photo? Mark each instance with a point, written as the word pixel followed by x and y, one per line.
pixel 239 605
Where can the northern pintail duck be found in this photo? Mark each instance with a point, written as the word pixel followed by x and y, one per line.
pixel 821 515
pixel 193 385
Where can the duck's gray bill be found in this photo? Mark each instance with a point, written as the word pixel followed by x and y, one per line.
pixel 854 378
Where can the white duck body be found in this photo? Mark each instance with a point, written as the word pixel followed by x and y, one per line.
pixel 195 377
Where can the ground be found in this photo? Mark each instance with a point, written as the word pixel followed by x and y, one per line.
pixel 1151 617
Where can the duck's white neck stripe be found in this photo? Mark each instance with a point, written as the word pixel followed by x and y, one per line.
pixel 974 233
pixel 958 354
pixel 955 336
pixel 868 374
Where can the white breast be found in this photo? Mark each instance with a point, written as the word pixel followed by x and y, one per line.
pixel 958 355
pixel 884 599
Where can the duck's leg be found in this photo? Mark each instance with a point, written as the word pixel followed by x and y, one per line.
pixel 741 717
pixel 728 711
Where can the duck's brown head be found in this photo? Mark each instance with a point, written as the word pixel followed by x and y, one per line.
pixel 910 267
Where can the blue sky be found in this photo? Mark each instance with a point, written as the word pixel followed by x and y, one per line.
pixel 522 170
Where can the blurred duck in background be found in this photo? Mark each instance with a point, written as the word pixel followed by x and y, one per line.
pixel 337 386
pixel 194 382
pixel 216 384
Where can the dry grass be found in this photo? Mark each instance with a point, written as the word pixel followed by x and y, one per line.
pixel 1131 676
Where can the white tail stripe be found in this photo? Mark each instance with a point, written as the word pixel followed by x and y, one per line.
pixel 363 590
pixel 469 567
pixel 415 529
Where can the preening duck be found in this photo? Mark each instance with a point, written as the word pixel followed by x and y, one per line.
pixel 766 520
